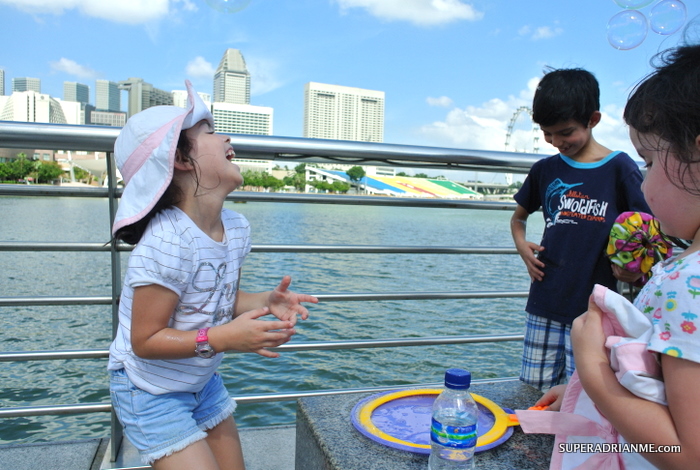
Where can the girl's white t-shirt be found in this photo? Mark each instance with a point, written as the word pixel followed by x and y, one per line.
pixel 176 254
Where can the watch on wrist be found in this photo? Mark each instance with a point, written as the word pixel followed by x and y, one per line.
pixel 202 346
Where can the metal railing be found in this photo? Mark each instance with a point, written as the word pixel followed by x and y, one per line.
pixel 28 135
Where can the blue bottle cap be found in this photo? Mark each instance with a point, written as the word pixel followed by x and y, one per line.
pixel 458 378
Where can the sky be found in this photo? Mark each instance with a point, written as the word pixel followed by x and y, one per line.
pixel 454 72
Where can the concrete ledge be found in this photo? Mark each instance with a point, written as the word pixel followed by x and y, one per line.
pixel 74 455
pixel 327 440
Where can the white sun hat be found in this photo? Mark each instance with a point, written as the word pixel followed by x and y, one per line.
pixel 145 154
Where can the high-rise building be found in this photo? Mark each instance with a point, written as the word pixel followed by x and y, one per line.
pixel 143 95
pixel 232 80
pixel 242 119
pixel 180 98
pixel 26 84
pixel 73 91
pixel 2 82
pixel 343 113
pixel 30 106
pixel 98 117
pixel 107 96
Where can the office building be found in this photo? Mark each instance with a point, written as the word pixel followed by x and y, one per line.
pixel 242 119
pixel 30 106
pixel 232 80
pixel 73 91
pixel 26 84
pixel 98 117
pixel 107 96
pixel 180 98
pixel 343 113
pixel 2 82
pixel 143 95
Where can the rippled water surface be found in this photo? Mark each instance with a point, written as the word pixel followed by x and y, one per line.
pixel 89 327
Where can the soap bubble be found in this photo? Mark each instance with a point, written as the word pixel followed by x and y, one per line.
pixel 667 17
pixel 627 29
pixel 228 6
pixel 633 4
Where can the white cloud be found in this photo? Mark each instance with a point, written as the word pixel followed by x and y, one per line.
pixel 72 68
pixel 485 127
pixel 200 68
pixel 263 75
pixel 545 32
pixel 443 101
pixel 541 32
pixel 118 11
pixel 419 12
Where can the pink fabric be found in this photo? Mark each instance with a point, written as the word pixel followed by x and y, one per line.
pixel 635 367
pixel 141 153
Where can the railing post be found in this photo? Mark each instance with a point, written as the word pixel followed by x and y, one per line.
pixel 117 432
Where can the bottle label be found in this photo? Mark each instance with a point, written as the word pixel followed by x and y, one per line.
pixel 456 437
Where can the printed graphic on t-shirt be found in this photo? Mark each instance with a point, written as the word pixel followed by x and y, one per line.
pixel 218 295
pixel 566 205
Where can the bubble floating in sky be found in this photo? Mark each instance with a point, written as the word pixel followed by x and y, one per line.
pixel 627 29
pixel 667 16
pixel 228 6
pixel 632 4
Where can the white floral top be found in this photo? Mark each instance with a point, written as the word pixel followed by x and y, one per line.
pixel 671 300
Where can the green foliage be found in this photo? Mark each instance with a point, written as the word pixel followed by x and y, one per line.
pixel 420 175
pixel 356 173
pixel 334 187
pixel 48 171
pixel 261 179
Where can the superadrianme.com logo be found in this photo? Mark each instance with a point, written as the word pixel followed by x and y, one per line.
pixel 625 447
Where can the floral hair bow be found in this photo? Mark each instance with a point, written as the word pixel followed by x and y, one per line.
pixel 636 243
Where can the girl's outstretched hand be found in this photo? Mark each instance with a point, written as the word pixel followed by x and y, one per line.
pixel 248 334
pixel 286 305
pixel 552 398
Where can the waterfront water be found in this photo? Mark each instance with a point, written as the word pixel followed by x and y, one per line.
pixel 87 274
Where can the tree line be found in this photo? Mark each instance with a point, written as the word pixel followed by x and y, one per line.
pixel 22 169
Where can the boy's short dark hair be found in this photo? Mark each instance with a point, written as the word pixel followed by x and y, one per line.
pixel 565 94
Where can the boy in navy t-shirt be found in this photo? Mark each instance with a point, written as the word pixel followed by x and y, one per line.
pixel 581 191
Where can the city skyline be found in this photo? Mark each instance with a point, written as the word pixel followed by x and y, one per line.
pixel 453 76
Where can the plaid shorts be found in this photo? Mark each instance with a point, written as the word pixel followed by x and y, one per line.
pixel 548 359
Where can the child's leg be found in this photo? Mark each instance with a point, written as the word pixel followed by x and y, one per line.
pixel 220 450
pixel 196 455
pixel 544 353
pixel 225 443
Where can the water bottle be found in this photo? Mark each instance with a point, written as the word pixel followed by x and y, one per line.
pixel 453 430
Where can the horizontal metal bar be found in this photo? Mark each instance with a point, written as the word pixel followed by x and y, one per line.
pixel 54 355
pixel 370 249
pixel 21 411
pixel 337 297
pixel 249 196
pixel 25 411
pixel 101 139
pixel 40 301
pixel 419 296
pixel 289 347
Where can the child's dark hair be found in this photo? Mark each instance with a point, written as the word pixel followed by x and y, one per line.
pixel 666 103
pixel 566 94
pixel 131 234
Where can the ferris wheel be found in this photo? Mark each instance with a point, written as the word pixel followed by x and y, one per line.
pixel 535 135
pixel 535 129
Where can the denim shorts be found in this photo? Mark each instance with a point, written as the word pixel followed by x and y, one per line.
pixel 160 425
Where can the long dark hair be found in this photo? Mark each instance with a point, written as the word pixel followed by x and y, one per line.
pixel 666 103
pixel 131 234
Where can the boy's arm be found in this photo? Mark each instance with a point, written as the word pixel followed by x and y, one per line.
pixel 526 249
